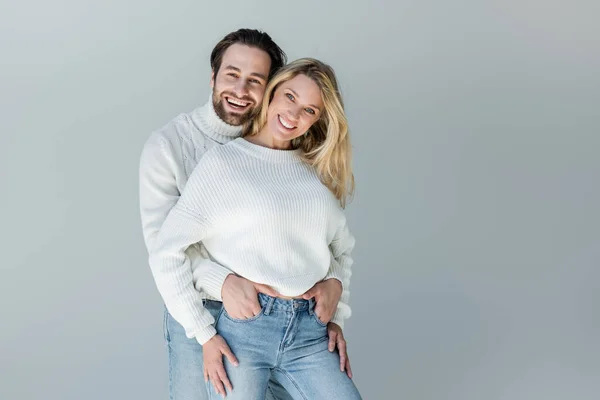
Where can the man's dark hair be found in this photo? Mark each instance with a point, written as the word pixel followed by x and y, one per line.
pixel 251 38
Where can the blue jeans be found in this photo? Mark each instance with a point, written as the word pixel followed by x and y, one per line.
pixel 186 378
pixel 287 343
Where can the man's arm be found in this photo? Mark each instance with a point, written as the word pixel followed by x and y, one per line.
pixel 341 269
pixel 171 266
pixel 158 196
pixel 158 187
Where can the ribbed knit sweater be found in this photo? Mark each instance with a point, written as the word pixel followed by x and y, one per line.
pixel 262 214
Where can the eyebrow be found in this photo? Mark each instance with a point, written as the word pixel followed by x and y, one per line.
pixel 296 94
pixel 259 75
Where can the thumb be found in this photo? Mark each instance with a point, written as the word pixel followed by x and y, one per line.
pixel 310 293
pixel 268 290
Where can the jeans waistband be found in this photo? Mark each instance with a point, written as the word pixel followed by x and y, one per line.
pixel 274 303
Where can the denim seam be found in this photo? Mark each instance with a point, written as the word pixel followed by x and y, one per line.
pixel 244 321
pixel 169 351
pixel 272 392
pixel 169 354
pixel 219 315
pixel 292 381
pixel 318 321
pixel 283 340
pixel 166 327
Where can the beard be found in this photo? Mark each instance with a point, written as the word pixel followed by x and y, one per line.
pixel 231 118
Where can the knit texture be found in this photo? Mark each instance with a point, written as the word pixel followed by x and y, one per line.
pixel 168 159
pixel 261 213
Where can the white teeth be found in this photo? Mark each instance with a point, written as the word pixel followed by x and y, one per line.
pixel 236 102
pixel 285 123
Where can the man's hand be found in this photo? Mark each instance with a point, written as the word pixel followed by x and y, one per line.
pixel 240 296
pixel 327 295
pixel 212 353
pixel 336 339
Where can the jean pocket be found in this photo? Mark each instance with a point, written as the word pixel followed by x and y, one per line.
pixel 246 320
pixel 317 320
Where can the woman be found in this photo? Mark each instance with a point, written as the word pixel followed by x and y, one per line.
pixel 268 207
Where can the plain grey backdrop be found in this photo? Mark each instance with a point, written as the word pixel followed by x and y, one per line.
pixel 475 128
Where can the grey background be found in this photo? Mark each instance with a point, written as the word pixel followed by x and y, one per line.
pixel 476 134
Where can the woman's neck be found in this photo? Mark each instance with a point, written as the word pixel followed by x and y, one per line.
pixel 265 139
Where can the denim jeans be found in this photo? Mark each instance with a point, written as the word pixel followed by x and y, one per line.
pixel 186 378
pixel 287 343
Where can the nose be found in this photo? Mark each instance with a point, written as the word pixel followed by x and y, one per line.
pixel 295 113
pixel 241 88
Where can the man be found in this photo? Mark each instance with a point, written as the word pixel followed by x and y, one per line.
pixel 242 62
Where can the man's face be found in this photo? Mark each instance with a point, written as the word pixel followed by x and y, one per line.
pixel 240 83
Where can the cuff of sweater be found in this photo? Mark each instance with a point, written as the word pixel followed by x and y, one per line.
pixel 213 279
pixel 205 334
pixel 335 272
pixel 332 275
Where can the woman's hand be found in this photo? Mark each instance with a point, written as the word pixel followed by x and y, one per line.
pixel 240 296
pixel 327 296
pixel 336 339
pixel 212 353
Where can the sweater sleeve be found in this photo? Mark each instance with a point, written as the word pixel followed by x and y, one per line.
pixel 158 191
pixel 210 274
pixel 186 224
pixel 341 262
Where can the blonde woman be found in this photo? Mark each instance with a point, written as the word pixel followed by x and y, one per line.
pixel 268 207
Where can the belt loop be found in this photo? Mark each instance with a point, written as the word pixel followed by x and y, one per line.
pixel 269 306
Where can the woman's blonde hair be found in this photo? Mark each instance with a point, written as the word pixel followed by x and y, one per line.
pixel 326 145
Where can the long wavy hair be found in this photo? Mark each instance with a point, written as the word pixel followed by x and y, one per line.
pixel 326 145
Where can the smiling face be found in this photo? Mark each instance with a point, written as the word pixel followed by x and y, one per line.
pixel 296 105
pixel 240 83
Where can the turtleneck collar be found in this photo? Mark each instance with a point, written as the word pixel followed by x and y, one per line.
pixel 212 125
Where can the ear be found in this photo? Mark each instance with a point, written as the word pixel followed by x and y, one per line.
pixel 212 79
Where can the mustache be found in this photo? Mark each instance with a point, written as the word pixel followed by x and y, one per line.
pixel 245 98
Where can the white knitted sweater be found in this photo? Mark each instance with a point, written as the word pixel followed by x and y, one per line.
pixel 262 214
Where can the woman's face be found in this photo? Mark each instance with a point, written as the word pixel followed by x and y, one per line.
pixel 296 105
